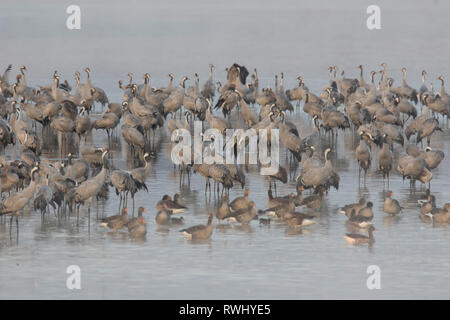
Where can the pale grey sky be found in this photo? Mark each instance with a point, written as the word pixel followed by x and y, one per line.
pixel 183 37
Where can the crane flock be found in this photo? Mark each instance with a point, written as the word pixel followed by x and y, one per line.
pixel 381 116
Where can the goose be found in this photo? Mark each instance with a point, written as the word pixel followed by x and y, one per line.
pixel 440 215
pixel 224 210
pixel 163 217
pixel 391 206
pixel 358 220
pixel 133 222
pixel 199 231
pixel 241 202
pixel 314 201
pixel 366 211
pixel 139 230
pixel 356 238
pixel 167 203
pixel 242 215
pixel 115 222
pixel 347 209
pixel 297 219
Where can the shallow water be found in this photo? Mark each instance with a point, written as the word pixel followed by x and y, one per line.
pixel 253 262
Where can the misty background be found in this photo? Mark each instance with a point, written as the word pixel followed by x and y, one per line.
pixel 183 37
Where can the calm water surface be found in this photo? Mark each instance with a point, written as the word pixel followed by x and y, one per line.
pixel 251 262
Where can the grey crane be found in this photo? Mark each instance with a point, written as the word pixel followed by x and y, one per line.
pixel 15 203
pixel 384 159
pixel 406 108
pixel 175 99
pixel 437 104
pixel 108 122
pixel 291 141
pixel 124 184
pixel 362 154
pixel 134 138
pixel 215 122
pixel 370 133
pixel 203 169
pixel 405 90
pixel 433 158
pixel 413 168
pixel 221 175
pixel 426 130
pixel 346 86
pixel 77 169
pixel 282 101
pixel 83 124
pixel 140 174
pixel 4 82
pixel 6 134
pixel 174 124
pixel 321 177
pixel 391 133
pixel 423 88
pixel 93 155
pixel 43 197
pixel 248 115
pixel 362 82
pixel 9 178
pixel 90 188
pixel 298 93
pixel 209 88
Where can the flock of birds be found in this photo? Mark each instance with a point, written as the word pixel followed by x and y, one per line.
pixel 59 117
